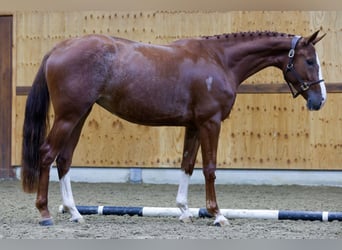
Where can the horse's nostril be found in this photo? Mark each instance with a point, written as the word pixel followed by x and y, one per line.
pixel 314 105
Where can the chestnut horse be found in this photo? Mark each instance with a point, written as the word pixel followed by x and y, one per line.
pixel 190 83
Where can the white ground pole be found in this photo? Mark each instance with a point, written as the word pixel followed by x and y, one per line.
pixel 202 212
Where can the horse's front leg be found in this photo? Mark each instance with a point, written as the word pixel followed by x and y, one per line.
pixel 209 134
pixel 191 145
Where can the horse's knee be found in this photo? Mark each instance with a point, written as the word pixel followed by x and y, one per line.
pixel 209 173
pixel 189 169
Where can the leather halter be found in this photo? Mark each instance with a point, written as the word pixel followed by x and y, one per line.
pixel 304 86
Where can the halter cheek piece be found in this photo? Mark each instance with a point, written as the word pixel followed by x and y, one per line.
pixel 304 86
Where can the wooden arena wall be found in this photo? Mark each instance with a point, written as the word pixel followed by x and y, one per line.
pixel 267 129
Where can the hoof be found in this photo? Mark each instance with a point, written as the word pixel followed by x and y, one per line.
pixel 46 222
pixel 221 221
pixel 186 219
pixel 221 224
pixel 78 220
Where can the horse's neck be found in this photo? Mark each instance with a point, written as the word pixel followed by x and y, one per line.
pixel 244 58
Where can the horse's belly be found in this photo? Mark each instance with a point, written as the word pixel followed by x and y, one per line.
pixel 147 112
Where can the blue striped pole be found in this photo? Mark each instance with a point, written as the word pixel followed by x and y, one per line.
pixel 202 212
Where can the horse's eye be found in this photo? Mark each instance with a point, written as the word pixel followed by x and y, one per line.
pixel 310 62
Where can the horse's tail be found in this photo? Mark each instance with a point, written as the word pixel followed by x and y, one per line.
pixel 34 130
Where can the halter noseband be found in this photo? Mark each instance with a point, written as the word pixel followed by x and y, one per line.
pixel 304 86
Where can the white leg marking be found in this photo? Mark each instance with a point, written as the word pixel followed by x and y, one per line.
pixel 68 199
pixel 182 197
pixel 220 220
pixel 321 84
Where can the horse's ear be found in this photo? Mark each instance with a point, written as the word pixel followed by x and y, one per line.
pixel 314 38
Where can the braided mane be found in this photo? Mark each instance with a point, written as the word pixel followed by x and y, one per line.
pixel 251 34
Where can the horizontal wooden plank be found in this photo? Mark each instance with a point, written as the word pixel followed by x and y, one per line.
pixel 280 88
pixel 262 88
pixel 22 90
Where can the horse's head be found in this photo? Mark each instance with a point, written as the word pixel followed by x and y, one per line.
pixel 303 71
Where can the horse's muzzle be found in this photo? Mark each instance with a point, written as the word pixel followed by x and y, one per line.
pixel 315 103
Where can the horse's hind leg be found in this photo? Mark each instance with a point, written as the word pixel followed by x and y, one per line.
pixel 63 162
pixel 191 145
pixel 48 153
pixel 42 196
pixel 51 148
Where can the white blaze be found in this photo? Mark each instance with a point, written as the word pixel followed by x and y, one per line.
pixel 321 84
